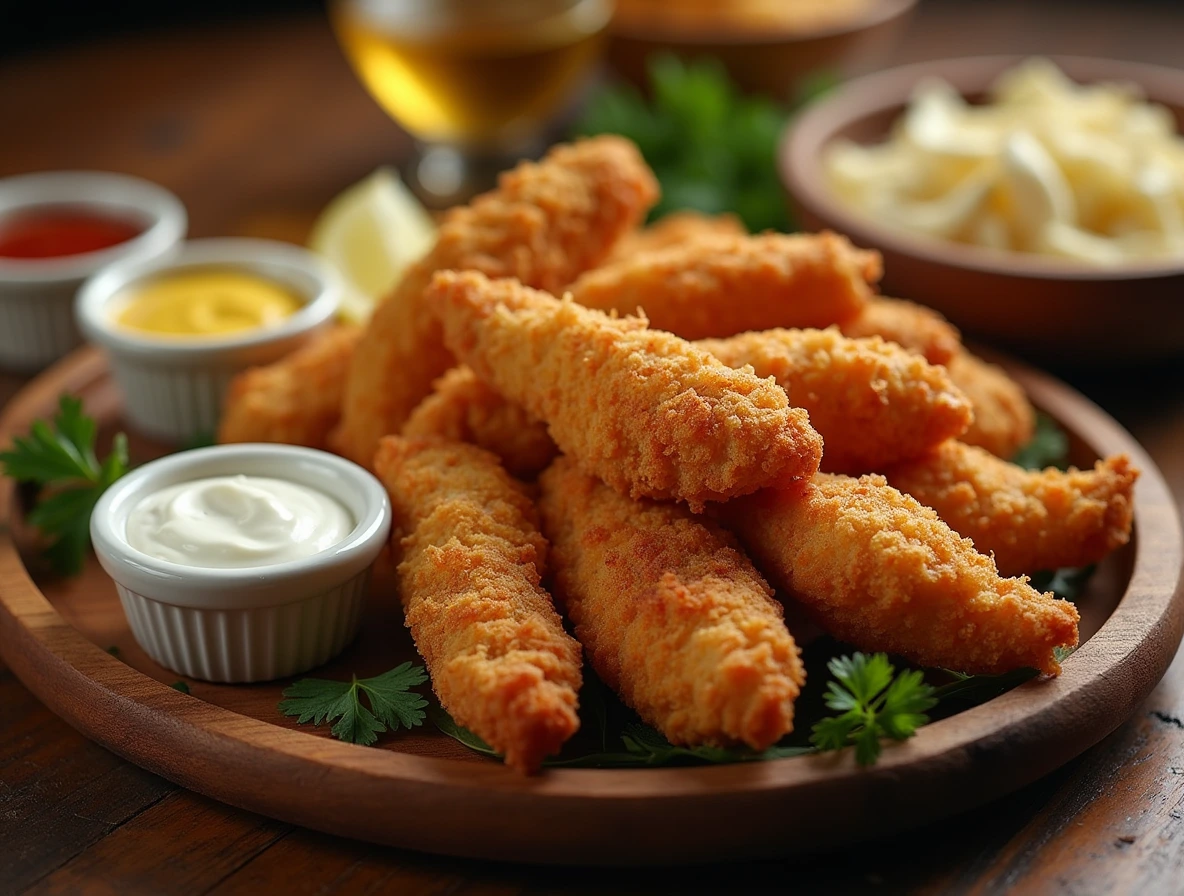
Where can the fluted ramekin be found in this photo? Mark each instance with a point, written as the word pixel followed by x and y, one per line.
pixel 257 623
pixel 37 294
pixel 173 386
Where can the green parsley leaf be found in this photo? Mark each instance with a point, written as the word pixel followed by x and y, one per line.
pixel 712 148
pixel 391 703
pixel 443 721
pixel 181 686
pixel 1049 446
pixel 872 705
pixel 60 457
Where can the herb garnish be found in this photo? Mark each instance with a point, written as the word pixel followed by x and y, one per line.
pixel 712 148
pixel 60 457
pixel 873 705
pixel 1048 447
pixel 392 703
pixel 643 747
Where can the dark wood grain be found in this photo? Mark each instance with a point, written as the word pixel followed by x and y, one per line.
pixel 59 792
pixel 164 106
pixel 214 843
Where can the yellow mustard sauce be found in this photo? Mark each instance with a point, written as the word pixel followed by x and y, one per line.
pixel 207 302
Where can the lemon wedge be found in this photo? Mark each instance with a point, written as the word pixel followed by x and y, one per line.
pixel 371 232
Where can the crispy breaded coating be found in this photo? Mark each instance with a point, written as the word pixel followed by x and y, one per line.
pixel 1029 519
pixel 471 558
pixel 883 573
pixel 544 225
pixel 672 615
pixel 296 400
pixel 676 229
pixel 1004 420
pixel 647 412
pixel 462 408
pixel 718 287
pixel 873 402
pixel 913 326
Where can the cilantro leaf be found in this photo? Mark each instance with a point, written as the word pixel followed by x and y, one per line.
pixel 60 457
pixel 391 703
pixel 872 705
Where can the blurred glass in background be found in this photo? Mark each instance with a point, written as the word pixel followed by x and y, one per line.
pixel 475 82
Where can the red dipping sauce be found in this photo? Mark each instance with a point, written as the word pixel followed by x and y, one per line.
pixel 63 231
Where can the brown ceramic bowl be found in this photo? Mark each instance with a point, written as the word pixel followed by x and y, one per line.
pixel 1056 310
pixel 760 60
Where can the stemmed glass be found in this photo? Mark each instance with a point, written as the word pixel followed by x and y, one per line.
pixel 475 82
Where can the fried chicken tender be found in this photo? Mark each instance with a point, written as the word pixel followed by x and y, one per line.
pixel 463 409
pixel 471 558
pixel 883 573
pixel 718 287
pixel 913 326
pixel 676 229
pixel 296 400
pixel 1004 420
pixel 1029 519
pixel 544 224
pixel 647 412
pixel 672 615
pixel 873 402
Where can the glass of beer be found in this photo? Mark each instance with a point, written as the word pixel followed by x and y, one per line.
pixel 475 82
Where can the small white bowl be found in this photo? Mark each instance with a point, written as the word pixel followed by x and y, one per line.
pixel 173 386
pixel 37 294
pixel 253 624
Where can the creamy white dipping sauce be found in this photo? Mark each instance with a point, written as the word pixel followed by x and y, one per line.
pixel 233 522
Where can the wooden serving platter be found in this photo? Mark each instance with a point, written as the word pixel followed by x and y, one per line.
pixel 421 790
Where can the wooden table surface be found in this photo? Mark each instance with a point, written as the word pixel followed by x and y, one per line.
pixel 255 125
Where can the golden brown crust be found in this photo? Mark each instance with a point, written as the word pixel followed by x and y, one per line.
pixel 471 558
pixel 1029 520
pixel 1004 419
pixel 717 287
pixel 873 402
pixel 912 326
pixel 671 614
pixel 647 412
pixel 462 408
pixel 883 573
pixel 676 229
pixel 296 400
pixel 544 224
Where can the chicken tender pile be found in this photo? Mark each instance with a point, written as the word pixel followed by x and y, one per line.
pixel 618 432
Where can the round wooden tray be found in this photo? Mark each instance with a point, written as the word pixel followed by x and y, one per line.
pixel 421 790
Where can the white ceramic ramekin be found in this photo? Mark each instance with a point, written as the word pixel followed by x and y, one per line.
pixel 255 624
pixel 37 294
pixel 173 386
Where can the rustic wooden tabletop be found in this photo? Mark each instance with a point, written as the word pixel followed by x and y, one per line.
pixel 256 125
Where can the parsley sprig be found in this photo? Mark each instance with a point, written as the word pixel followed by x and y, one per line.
pixel 872 705
pixel 392 703
pixel 60 457
pixel 712 148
